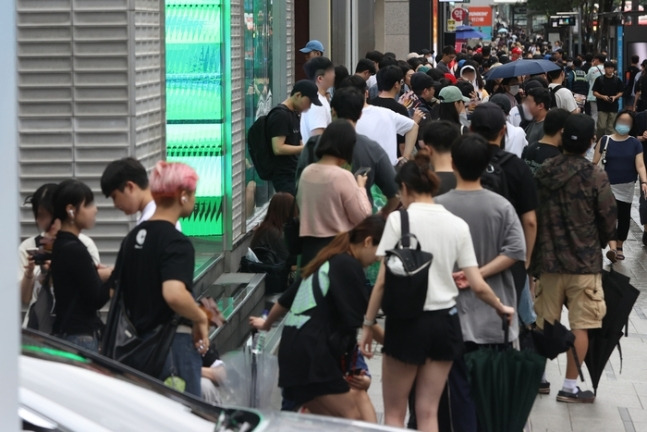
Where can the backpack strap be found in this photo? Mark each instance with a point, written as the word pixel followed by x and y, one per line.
pixel 404 228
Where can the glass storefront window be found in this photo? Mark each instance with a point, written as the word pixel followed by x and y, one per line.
pixel 258 95
pixel 195 111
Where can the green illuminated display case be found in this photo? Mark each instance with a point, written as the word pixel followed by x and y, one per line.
pixel 195 107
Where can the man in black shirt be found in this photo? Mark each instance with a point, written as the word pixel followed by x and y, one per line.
pixel 607 89
pixel 549 145
pixel 438 137
pixel 155 267
pixel 284 127
pixel 630 80
pixel 448 56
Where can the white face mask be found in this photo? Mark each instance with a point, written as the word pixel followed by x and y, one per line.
pixel 526 112
pixel 514 90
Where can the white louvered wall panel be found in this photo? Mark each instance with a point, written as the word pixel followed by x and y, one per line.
pixel 289 42
pixel 89 92
pixel 237 121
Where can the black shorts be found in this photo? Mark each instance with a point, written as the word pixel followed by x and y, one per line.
pixel 434 335
pixel 307 392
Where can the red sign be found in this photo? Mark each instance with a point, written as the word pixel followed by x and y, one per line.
pixel 459 14
pixel 481 16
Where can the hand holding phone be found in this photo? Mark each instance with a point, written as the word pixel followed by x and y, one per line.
pixel 363 171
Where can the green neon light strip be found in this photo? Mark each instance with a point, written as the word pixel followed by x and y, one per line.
pixel 55 353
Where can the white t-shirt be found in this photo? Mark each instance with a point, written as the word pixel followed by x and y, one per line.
pixel 316 117
pixel 564 98
pixel 371 81
pixel 149 211
pixel 515 139
pixel 514 118
pixel 382 125
pixel 446 237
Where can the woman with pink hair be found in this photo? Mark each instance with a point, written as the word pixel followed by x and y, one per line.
pixel 155 270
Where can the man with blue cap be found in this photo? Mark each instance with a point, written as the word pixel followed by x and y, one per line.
pixel 313 48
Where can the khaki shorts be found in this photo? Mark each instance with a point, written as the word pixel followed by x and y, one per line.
pixel 581 294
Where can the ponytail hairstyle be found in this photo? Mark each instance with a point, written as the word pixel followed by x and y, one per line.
pixel 372 226
pixel 169 179
pixel 418 176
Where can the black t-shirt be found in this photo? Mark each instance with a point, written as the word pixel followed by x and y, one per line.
pixel 447 182
pixel 608 87
pixel 535 155
pixel 153 252
pixel 78 289
pixel 521 183
pixel 394 106
pixel 305 355
pixel 287 123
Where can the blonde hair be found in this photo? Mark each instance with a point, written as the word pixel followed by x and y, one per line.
pixel 168 179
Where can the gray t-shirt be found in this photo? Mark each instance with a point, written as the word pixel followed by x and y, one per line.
pixel 366 154
pixel 496 230
pixel 534 132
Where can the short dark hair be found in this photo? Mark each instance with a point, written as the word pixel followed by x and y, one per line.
pixel 388 77
pixel 120 172
pixel 374 56
pixel 440 134
pixel 72 192
pixel 466 88
pixel 354 81
pixel 42 198
pixel 387 61
pixel 348 103
pixel 635 58
pixel 541 96
pixel 415 62
pixel 449 50
pixel 554 74
pixel 486 50
pixel 338 140
pixel 577 62
pixel 436 74
pixel 600 57
pixel 341 72
pixel 406 67
pixel 554 122
pixel 364 65
pixel 609 64
pixel 317 66
pixel 471 155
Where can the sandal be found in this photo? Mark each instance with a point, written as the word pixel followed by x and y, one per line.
pixel 619 254
pixel 612 255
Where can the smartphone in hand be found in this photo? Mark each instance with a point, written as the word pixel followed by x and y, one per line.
pixel 363 171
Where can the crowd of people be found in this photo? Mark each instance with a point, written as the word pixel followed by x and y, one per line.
pixel 516 186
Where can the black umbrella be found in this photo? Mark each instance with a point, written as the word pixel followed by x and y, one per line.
pixel 521 67
pixel 620 297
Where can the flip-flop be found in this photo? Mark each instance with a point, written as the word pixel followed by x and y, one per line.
pixel 612 255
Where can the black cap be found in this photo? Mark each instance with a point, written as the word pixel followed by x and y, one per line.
pixel 578 129
pixel 309 89
pixel 502 101
pixel 421 81
pixel 488 116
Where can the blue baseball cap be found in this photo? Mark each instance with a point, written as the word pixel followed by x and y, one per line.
pixel 313 45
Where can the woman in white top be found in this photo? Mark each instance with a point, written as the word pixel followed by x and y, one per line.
pixel 421 350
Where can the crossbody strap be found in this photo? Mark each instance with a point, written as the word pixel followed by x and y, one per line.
pixel 404 228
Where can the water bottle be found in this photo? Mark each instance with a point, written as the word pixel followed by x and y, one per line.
pixel 260 341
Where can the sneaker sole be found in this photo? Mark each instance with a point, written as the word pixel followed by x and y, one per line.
pixel 566 399
pixel 544 391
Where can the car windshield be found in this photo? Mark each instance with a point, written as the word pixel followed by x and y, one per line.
pixel 75 389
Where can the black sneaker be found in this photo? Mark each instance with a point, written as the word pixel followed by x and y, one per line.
pixel 544 388
pixel 586 396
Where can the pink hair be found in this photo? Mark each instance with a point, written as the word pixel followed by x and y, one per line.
pixel 170 178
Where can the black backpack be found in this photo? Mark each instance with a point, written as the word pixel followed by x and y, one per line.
pixel 553 99
pixel 494 178
pixel 259 144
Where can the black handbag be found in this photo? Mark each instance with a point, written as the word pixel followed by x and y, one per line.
pixel 122 342
pixel 407 276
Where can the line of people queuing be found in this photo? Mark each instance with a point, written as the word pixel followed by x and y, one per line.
pixel 505 183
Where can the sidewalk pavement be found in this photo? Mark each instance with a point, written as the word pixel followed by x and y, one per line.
pixel 621 404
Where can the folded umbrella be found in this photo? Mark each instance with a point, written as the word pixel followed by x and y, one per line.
pixel 520 68
pixel 620 297
pixel 504 385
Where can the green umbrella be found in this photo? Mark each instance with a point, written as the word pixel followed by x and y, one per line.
pixel 504 385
